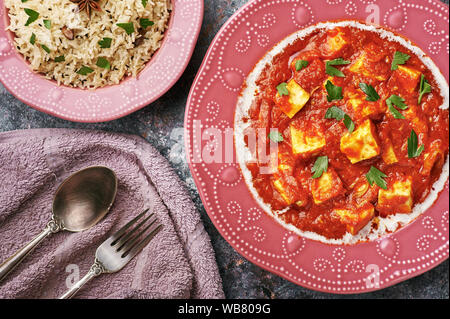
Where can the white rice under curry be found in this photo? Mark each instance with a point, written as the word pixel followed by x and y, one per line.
pixel 88 43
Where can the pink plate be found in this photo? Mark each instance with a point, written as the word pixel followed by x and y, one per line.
pixel 241 42
pixel 115 101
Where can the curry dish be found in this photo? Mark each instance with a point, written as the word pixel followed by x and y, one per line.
pixel 360 130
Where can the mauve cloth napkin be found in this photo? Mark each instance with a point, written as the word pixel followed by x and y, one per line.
pixel 178 263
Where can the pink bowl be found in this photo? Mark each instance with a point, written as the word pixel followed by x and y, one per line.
pixel 111 102
pixel 239 45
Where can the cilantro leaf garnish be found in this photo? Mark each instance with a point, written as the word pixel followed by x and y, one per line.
pixel 334 92
pixel 105 43
pixel 349 123
pixel 377 177
pixel 399 102
pixel 300 64
pixel 103 63
pixel 85 70
pixel 128 27
pixel 330 70
pixel 145 23
pixel 60 58
pixel 282 89
pixel 33 16
pixel 320 166
pixel 334 113
pixel 33 39
pixel 399 58
pixel 46 49
pixel 47 24
pixel 276 136
pixel 413 141
pixel 338 61
pixel 144 3
pixel 371 94
pixel 424 88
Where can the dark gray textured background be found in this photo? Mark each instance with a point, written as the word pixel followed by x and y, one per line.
pixel 156 123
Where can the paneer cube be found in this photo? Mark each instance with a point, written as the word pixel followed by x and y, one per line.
pixel 278 184
pixel 290 191
pixel 306 142
pixel 363 192
pixel 388 153
pixel 295 101
pixel 356 99
pixel 361 144
pixel 356 218
pixel 397 198
pixel 326 187
pixel 336 41
pixel 282 161
pixel 407 77
pixel 362 66
pixel 433 157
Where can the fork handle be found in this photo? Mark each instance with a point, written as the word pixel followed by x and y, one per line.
pixel 96 270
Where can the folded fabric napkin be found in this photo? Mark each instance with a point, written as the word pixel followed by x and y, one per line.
pixel 178 263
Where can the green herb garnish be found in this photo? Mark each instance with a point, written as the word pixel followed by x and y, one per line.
pixel 320 166
pixel 145 23
pixel 128 27
pixel 33 16
pixel 413 141
pixel 399 102
pixel 334 92
pixel 399 58
pixel 300 64
pixel 349 123
pixel 276 136
pixel 103 63
pixel 282 89
pixel 332 70
pixel 424 88
pixel 33 39
pixel 60 58
pixel 105 43
pixel 371 94
pixel 46 49
pixel 48 24
pixel 144 3
pixel 377 177
pixel 334 113
pixel 85 70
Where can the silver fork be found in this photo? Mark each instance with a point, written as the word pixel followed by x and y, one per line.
pixel 115 252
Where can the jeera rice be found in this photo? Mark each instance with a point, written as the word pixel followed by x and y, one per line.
pixel 78 46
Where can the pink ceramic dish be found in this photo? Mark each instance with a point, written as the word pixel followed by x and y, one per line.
pixel 112 102
pixel 239 45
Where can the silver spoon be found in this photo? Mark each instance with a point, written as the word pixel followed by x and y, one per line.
pixel 80 202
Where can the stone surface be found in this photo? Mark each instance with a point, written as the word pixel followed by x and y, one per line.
pixel 161 124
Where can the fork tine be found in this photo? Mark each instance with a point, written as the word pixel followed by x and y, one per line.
pixel 130 243
pixel 116 236
pixel 135 249
pixel 125 238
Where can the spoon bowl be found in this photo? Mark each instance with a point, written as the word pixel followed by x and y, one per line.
pixel 80 202
pixel 85 198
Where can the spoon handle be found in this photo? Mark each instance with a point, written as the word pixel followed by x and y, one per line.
pixel 8 265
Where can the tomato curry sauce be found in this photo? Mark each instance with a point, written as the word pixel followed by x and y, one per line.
pixel 361 135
